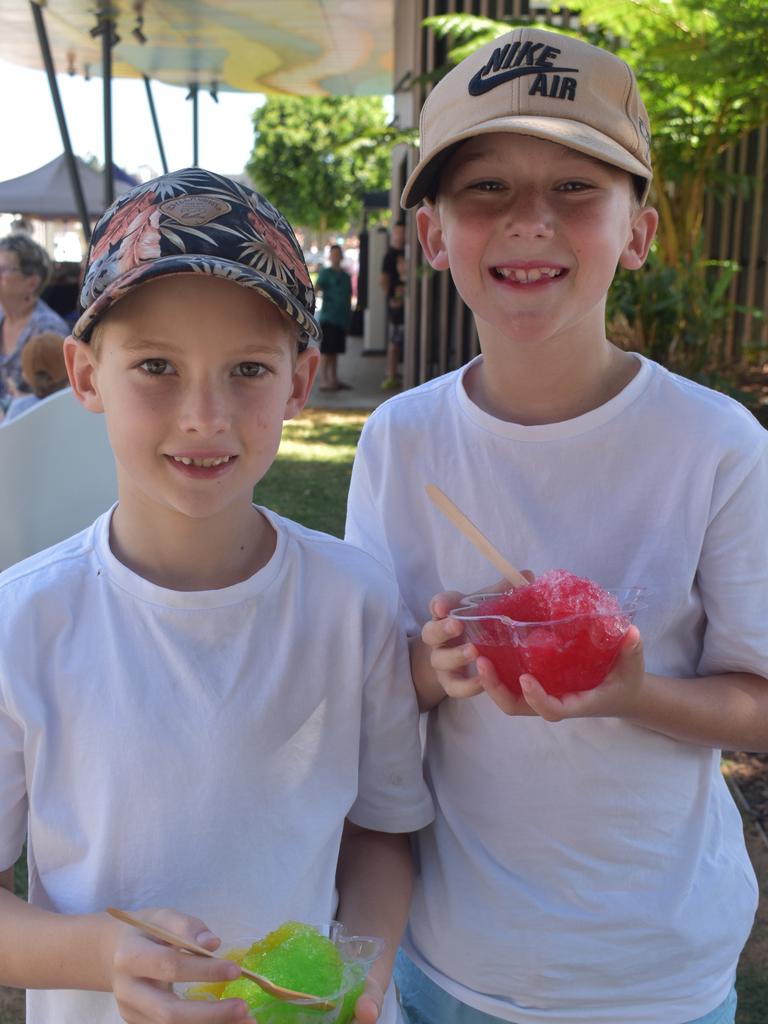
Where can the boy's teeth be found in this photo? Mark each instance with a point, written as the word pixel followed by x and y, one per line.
pixel 201 462
pixel 522 276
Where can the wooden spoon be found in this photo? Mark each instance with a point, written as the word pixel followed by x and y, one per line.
pixel 286 995
pixel 471 532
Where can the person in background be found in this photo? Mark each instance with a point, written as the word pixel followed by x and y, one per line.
pixel 390 279
pixel 396 310
pixel 24 272
pixel 335 285
pixel 63 291
pixel 22 225
pixel 43 370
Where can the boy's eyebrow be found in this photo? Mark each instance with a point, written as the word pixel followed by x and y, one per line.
pixel 139 344
pixel 134 343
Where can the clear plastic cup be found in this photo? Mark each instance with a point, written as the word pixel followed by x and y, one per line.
pixel 566 655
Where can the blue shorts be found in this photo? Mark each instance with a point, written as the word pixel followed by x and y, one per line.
pixel 424 1002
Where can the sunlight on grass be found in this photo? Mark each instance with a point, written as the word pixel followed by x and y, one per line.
pixel 320 436
pixel 310 477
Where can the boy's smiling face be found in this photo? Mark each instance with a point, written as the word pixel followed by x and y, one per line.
pixel 532 233
pixel 195 376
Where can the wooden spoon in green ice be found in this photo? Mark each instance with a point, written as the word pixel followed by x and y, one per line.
pixel 286 995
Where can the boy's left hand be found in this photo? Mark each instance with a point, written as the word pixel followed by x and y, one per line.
pixel 368 1006
pixel 615 697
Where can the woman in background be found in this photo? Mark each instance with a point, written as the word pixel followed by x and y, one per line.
pixel 25 269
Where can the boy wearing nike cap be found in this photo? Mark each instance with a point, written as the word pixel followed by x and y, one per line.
pixel 206 714
pixel 586 862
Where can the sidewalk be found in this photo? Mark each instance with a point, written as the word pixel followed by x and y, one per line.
pixel 364 372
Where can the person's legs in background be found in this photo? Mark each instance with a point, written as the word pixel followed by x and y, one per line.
pixel 328 378
pixel 332 343
pixel 393 380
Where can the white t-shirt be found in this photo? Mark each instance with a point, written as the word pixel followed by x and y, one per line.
pixel 589 870
pixel 200 750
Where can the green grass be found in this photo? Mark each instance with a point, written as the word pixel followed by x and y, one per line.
pixel 310 477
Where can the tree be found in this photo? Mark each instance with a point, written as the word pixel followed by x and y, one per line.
pixel 314 157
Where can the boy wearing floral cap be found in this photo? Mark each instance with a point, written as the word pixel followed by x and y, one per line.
pixel 205 713
pixel 586 862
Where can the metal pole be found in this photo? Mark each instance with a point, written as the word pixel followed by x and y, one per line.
pixel 106 73
pixel 193 93
pixel 74 177
pixel 148 87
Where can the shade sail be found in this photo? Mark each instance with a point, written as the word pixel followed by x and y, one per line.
pixel 47 192
pixel 301 47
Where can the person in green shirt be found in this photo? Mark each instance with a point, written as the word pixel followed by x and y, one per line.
pixel 335 285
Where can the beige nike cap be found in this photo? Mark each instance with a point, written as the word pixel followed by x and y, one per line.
pixel 532 82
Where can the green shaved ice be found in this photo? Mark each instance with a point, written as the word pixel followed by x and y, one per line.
pixel 295 956
pixel 303 960
pixel 244 988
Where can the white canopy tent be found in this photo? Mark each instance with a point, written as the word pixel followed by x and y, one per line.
pixel 47 193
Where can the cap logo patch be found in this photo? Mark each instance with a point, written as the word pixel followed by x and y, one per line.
pixel 519 59
pixel 194 210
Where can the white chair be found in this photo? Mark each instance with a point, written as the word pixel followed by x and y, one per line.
pixel 57 474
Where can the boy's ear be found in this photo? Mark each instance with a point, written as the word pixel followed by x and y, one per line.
pixel 304 373
pixel 81 363
pixel 644 224
pixel 430 234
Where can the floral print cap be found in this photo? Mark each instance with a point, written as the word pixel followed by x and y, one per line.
pixel 196 222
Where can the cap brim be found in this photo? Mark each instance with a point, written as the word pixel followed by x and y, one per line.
pixel 227 270
pixel 422 182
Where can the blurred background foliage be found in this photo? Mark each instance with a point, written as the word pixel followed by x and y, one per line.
pixel 315 157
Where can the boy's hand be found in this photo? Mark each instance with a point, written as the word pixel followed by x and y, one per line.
pixel 616 697
pixel 460 672
pixel 142 972
pixel 454 661
pixel 447 654
pixel 368 1006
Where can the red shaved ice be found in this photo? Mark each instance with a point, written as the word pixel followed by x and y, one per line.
pixel 563 629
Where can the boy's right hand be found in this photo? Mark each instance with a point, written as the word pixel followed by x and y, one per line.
pixel 453 660
pixel 142 971
pixel 450 658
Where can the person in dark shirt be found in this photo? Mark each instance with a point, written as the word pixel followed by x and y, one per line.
pixel 335 285
pixel 392 282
